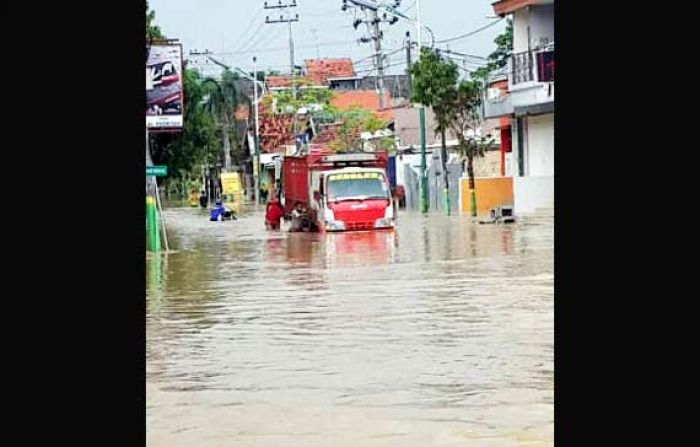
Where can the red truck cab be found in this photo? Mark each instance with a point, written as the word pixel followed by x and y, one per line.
pixel 341 191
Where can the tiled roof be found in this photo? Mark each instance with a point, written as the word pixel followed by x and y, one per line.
pixel 278 81
pixel 327 133
pixel 275 131
pixel 367 99
pixel 319 70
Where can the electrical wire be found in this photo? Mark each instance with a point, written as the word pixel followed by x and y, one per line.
pixel 254 36
pixel 471 33
pixel 250 23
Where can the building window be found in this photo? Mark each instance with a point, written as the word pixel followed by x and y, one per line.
pixel 545 66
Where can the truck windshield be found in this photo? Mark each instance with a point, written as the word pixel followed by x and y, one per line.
pixel 357 186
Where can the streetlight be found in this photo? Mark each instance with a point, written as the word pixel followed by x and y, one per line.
pixel 423 185
pixel 256 84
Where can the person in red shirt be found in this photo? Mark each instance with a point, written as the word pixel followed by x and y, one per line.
pixel 273 214
pixel 400 196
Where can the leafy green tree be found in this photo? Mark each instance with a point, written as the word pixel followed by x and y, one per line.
pixel 499 58
pixel 198 144
pixel 434 84
pixel 209 107
pixel 466 123
pixel 353 122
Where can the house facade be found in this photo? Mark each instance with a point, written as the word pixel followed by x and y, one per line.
pixel 526 107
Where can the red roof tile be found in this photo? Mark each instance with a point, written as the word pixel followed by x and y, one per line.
pixel 319 70
pixel 278 81
pixel 275 131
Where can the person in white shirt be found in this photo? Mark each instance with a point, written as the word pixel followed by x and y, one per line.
pixel 299 217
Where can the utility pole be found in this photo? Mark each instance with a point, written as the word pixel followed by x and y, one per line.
pixel 421 114
pixel 285 18
pixel 408 63
pixel 377 36
pixel 256 166
pixel 379 57
pixel 373 5
pixel 423 180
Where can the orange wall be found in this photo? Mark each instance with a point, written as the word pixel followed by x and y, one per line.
pixel 490 193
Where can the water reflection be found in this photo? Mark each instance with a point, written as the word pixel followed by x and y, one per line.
pixel 351 339
pixel 362 248
pixel 156 269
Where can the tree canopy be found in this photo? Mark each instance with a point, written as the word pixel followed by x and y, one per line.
pixel 152 31
pixel 498 58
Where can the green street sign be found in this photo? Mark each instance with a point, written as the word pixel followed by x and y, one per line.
pixel 156 171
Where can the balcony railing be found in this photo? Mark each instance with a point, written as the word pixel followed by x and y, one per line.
pixel 522 67
pixel 535 65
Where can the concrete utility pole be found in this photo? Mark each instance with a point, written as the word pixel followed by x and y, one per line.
pixel 256 167
pixel 377 36
pixel 288 20
pixel 408 62
pixel 379 58
pixel 374 6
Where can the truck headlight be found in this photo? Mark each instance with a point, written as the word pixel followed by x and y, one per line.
pixel 384 223
pixel 335 225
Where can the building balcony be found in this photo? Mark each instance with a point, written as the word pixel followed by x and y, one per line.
pixel 530 85
pixel 531 78
pixel 498 106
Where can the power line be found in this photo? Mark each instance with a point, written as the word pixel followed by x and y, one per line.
pixel 373 55
pixel 471 33
pixel 367 70
pixel 252 37
pixel 273 49
pixel 324 13
pixel 285 18
pixel 247 28
pixel 376 36
pixel 460 59
pixel 462 54
pixel 261 40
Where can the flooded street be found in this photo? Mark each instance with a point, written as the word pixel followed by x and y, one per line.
pixel 438 334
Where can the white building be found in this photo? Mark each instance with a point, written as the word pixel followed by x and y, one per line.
pixel 529 102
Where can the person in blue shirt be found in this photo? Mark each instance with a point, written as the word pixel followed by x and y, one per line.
pixel 219 212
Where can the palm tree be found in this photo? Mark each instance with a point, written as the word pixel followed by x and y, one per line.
pixel 152 31
pixel 221 100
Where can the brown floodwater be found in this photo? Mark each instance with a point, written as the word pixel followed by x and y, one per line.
pixel 437 334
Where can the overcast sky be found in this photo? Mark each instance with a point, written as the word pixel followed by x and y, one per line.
pixel 236 29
